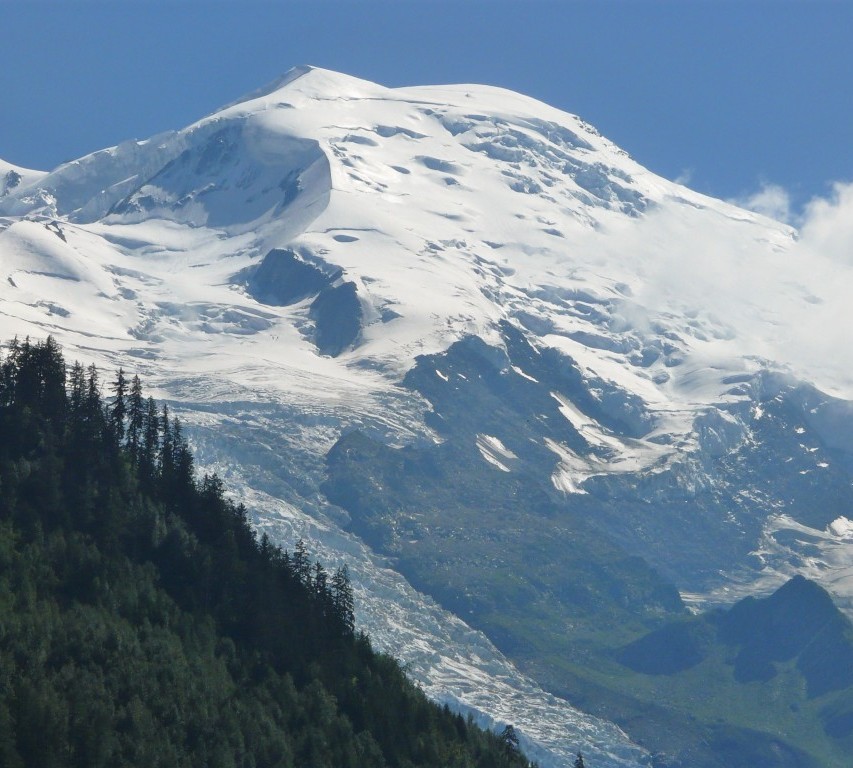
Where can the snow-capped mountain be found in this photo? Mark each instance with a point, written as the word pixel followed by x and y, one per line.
pixel 328 256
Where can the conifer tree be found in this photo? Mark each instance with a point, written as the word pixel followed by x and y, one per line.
pixel 118 409
pixel 92 401
pixel 50 366
pixel 301 563
pixel 167 446
pixel 509 739
pixel 9 372
pixel 77 391
pixel 343 598
pixel 183 469
pixel 135 419
pixel 150 442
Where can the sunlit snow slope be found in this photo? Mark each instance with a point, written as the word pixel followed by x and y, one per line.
pixel 276 268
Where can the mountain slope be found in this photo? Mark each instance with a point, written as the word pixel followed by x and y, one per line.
pixel 794 645
pixel 471 278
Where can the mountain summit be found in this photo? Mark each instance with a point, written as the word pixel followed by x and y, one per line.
pixel 461 339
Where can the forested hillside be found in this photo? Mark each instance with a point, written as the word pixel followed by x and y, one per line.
pixel 142 623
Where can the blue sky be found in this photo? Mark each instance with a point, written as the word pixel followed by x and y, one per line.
pixel 726 96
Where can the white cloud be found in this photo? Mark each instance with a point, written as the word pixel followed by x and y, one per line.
pixel 811 293
pixel 818 335
pixel 777 294
pixel 827 226
pixel 685 177
pixel 770 200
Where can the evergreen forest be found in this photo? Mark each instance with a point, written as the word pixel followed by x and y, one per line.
pixel 143 622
